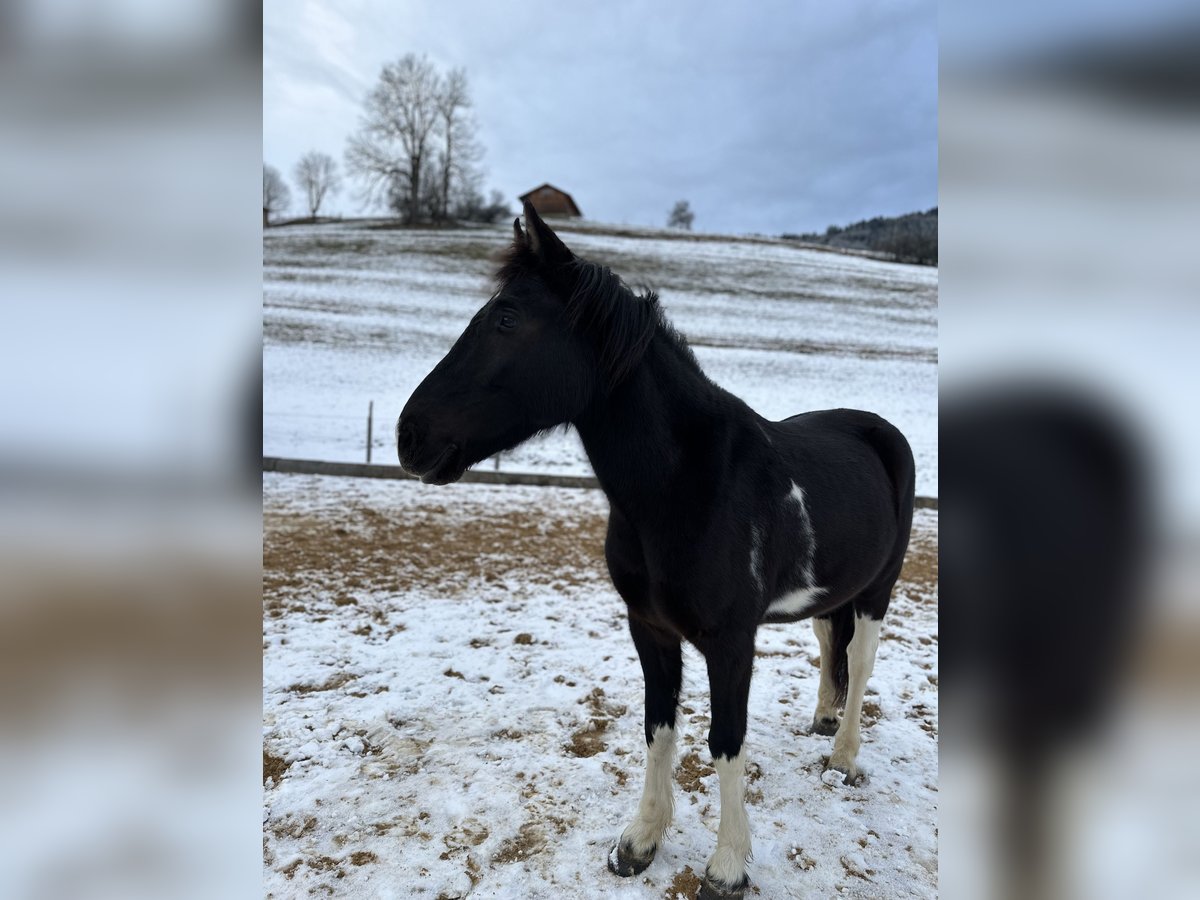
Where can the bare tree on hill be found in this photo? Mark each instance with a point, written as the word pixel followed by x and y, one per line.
pixel 316 173
pixel 393 141
pixel 416 148
pixel 276 196
pixel 460 149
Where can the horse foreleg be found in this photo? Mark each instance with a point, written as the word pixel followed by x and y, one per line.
pixel 662 667
pixel 729 668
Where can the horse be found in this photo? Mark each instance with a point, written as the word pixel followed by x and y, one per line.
pixel 721 521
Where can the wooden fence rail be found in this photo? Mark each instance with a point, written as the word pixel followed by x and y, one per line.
pixel 471 476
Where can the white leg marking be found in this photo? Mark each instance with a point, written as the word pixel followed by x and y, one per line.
pixel 728 863
pixel 826 707
pixel 657 804
pixel 861 658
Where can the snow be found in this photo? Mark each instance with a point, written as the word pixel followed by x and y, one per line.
pixel 353 314
pixel 452 706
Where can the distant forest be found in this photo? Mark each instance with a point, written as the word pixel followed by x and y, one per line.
pixel 909 238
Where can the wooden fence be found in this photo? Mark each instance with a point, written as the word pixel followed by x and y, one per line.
pixel 471 476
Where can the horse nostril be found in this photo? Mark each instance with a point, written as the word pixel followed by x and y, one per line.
pixel 406 436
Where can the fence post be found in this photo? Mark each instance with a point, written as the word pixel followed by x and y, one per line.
pixel 370 417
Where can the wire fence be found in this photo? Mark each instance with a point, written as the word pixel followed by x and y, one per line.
pixel 367 469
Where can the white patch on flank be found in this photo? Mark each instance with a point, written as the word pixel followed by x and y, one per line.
pixel 728 863
pixel 810 551
pixel 861 659
pixel 657 804
pixel 795 602
pixel 756 557
pixel 800 600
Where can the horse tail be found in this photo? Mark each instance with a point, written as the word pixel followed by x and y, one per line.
pixel 841 622
pixel 897 458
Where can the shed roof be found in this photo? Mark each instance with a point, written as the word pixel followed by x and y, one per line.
pixel 570 199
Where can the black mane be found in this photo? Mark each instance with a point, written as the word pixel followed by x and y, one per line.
pixel 619 323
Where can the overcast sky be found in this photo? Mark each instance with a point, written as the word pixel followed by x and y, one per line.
pixel 768 117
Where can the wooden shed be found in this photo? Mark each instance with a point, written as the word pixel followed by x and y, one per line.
pixel 551 201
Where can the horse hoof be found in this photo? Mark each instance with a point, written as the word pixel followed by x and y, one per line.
pixel 715 890
pixel 827 726
pixel 846 774
pixel 622 860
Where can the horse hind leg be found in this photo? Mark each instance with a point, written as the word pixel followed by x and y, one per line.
pixel 832 634
pixel 860 657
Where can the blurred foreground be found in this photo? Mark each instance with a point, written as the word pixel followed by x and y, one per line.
pixel 129 511
pixel 1070 205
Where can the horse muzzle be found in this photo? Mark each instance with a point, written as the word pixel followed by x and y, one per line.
pixel 423 458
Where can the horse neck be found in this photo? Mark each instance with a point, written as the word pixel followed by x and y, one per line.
pixel 639 436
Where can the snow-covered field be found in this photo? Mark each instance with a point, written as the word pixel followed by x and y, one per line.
pixel 452 707
pixel 354 313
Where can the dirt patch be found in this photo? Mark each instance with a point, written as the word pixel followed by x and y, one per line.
pixel 920 571
pixel 293 828
pixel 327 864
pixel 523 638
pixel 332 683
pixel 470 833
pixel 871 713
pixel 529 841
pixel 363 857
pixel 800 859
pixel 290 869
pixel 357 549
pixel 854 871
pixel 691 771
pixel 273 766
pixel 620 774
pixel 589 740
pixel 684 885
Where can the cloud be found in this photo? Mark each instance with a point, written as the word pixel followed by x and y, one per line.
pixel 780 117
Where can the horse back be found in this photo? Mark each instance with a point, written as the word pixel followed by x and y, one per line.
pixel 835 441
pixel 857 473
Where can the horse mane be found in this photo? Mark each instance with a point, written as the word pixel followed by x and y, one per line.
pixel 619 323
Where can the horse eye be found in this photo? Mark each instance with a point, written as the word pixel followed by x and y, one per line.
pixel 508 321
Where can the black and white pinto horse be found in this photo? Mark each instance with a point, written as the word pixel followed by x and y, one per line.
pixel 721 521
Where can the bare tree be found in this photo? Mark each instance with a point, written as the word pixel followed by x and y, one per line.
pixel 276 196
pixel 316 173
pixel 460 150
pixel 681 216
pixel 393 140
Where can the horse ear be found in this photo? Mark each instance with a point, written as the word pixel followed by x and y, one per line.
pixel 544 242
pixel 518 234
